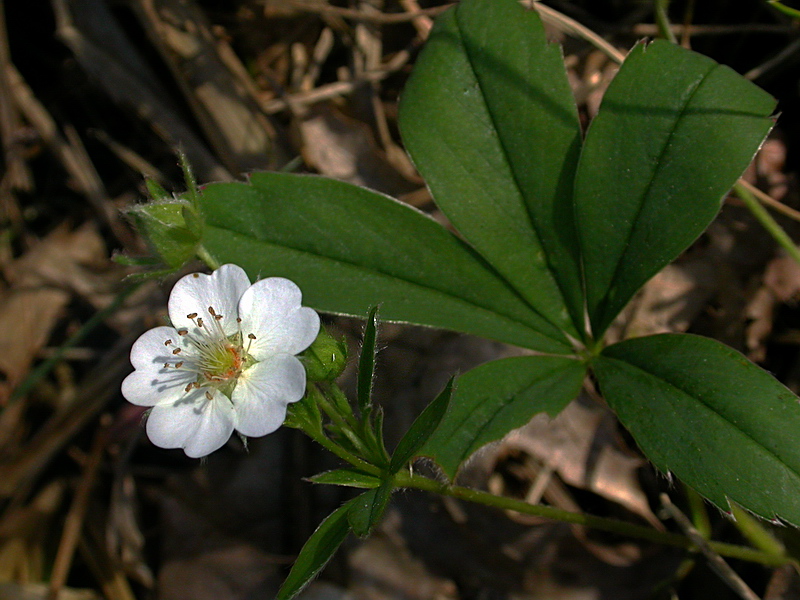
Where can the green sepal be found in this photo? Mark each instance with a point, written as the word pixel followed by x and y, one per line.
pixel 155 190
pixel 305 415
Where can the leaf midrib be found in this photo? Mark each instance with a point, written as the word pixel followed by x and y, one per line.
pixel 444 293
pixel 517 185
pixel 646 193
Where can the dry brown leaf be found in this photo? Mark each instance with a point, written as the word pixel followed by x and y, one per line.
pixel 781 284
pixel 383 564
pixel 582 451
pixel 670 301
pixel 343 148
pixel 41 284
pixel 40 591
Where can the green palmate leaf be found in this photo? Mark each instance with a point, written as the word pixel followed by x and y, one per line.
pixel 349 249
pixel 366 363
pixel 348 478
pixel 489 119
pixel 704 412
pixel 421 429
pixel 317 551
pixel 673 133
pixel 367 509
pixel 492 399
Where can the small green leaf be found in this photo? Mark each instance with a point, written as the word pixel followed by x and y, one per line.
pixel 346 477
pixel 317 551
pixel 421 429
pixel 366 363
pixel 349 249
pixel 367 509
pixel 673 133
pixel 489 118
pixel 495 398
pixel 702 411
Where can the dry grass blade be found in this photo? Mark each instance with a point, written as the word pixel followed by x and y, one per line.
pixel 367 16
pixel 74 519
pixel 101 383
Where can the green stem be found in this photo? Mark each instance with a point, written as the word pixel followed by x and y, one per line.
pixel 340 402
pixel 792 12
pixel 766 220
pixel 662 20
pixel 346 456
pixel 341 424
pixel 206 257
pixel 601 523
pixel 46 366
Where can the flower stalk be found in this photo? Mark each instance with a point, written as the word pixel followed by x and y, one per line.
pixel 407 480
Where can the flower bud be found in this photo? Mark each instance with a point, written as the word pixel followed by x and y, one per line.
pixel 170 227
pixel 326 358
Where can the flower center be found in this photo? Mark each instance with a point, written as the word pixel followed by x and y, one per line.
pixel 215 358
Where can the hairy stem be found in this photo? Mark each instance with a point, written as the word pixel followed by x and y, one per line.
pixel 601 523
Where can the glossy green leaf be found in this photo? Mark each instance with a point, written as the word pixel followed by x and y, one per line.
pixel 347 478
pixel 674 132
pixel 497 397
pixel 317 551
pixel 366 362
pixel 702 411
pixel 367 509
pixel 349 249
pixel 489 119
pixel 421 429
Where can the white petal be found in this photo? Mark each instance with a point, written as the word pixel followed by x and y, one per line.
pixel 197 291
pixel 264 390
pixel 195 423
pixel 270 309
pixel 151 383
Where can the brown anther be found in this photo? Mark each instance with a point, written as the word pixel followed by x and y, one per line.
pixel 251 336
pixel 238 320
pixel 168 343
pixel 179 364
pixel 218 317
pixel 195 275
pixel 211 311
pixel 166 365
pixel 200 322
pixel 209 396
pixel 191 315
pixel 188 388
pixel 183 332
pixel 176 351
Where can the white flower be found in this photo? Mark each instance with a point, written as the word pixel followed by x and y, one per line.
pixel 228 361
